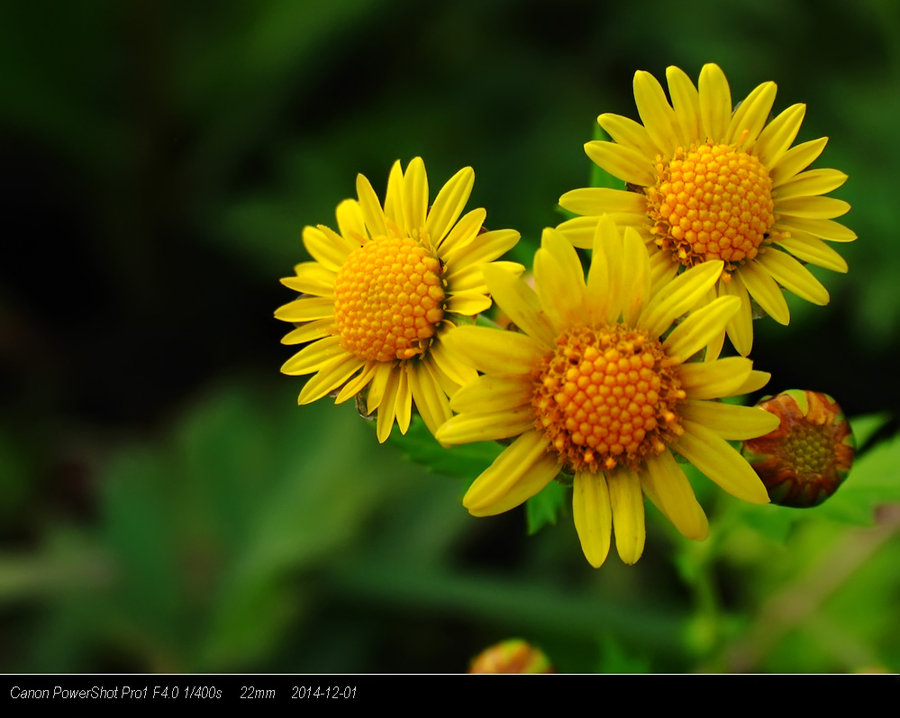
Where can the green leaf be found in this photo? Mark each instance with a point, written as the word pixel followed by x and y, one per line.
pixel 874 480
pixel 542 509
pixel 615 659
pixel 463 462
pixel 865 427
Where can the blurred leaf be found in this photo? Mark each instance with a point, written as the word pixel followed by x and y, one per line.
pixel 207 527
pixel 865 427
pixel 464 462
pixel 543 508
pixel 615 659
pixel 774 521
pixel 874 481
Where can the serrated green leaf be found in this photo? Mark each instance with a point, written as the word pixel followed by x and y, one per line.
pixel 543 508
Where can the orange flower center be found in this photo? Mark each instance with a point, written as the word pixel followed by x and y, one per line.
pixel 388 299
pixel 607 397
pixel 711 202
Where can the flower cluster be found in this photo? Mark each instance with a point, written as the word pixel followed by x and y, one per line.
pixel 607 379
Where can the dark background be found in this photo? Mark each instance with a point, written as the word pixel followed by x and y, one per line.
pixel 165 506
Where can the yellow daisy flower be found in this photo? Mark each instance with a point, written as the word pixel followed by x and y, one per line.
pixel 705 182
pixel 596 384
pixel 382 292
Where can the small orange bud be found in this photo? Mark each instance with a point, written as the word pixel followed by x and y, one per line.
pixel 809 455
pixel 511 656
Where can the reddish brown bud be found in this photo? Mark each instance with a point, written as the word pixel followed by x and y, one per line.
pixel 809 455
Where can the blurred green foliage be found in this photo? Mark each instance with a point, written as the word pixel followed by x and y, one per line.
pixel 164 505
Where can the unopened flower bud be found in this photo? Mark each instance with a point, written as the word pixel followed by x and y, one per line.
pixel 809 455
pixel 511 656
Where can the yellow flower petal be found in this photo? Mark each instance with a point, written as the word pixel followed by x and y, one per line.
pixel 472 278
pixel 520 303
pixel 500 477
pixel 823 228
pixel 329 251
pixel 463 233
pixel 493 393
pixel 701 327
pixel 559 280
pixel 776 137
pixel 389 407
pixel 679 296
pixel 495 352
pixel 579 231
pixel 470 426
pixel 669 489
pixel 793 276
pixel 810 183
pixel 597 200
pixel 483 248
pixel 383 371
pixel 627 502
pixel 714 379
pixel 351 223
pixel 530 483
pixel 393 199
pixel 721 463
pixel 467 303
pixel 622 161
pixel 813 250
pixel 312 357
pixel 357 383
pixel 765 291
pixel 593 516
pixel 307 332
pixel 686 103
pixel 415 194
pixel 748 119
pixel 754 382
pixel 636 265
pixel 784 168
pixel 403 401
pixel 626 131
pixel 370 206
pixel 602 294
pixel 312 278
pixel 655 111
pixel 454 366
pixel 715 102
pixel 813 207
pixel 740 326
pixel 329 377
pixel 662 268
pixel 306 309
pixel 449 204
pixel 730 421
pixel 431 402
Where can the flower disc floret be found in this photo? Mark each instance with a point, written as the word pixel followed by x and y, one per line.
pixel 388 299
pixel 712 201
pixel 606 397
